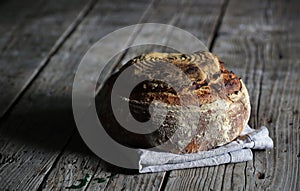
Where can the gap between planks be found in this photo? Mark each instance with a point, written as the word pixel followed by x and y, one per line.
pixel 213 37
pixel 40 188
pixel 72 27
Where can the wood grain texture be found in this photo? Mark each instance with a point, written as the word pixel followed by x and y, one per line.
pixel 40 148
pixel 116 180
pixel 41 124
pixel 200 18
pixel 258 41
pixel 122 179
pixel 12 14
pixel 31 32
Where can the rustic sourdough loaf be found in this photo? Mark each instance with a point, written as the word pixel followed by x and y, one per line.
pixel 207 109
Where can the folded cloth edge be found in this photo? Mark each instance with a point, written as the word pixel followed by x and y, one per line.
pixel 231 157
pixel 238 150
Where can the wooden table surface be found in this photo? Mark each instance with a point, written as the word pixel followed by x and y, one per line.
pixel 42 43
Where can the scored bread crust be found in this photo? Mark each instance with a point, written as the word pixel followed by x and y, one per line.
pixel 222 108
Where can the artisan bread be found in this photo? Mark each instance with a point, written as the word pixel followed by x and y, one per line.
pixel 221 111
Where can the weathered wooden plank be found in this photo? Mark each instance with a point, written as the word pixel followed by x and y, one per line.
pixel 29 38
pixel 77 164
pixel 258 40
pixel 205 178
pixel 33 135
pixel 12 13
pixel 264 41
pixel 187 15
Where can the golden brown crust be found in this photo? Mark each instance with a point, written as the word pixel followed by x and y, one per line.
pixel 222 113
pixel 208 83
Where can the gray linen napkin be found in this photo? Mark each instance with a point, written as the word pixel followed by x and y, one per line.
pixel 238 150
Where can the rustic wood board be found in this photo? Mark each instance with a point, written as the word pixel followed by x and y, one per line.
pixel 259 40
pixel 31 32
pixel 41 149
pixel 12 14
pixel 36 131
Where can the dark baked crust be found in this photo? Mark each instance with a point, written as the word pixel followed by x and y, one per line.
pixel 207 83
pixel 223 104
